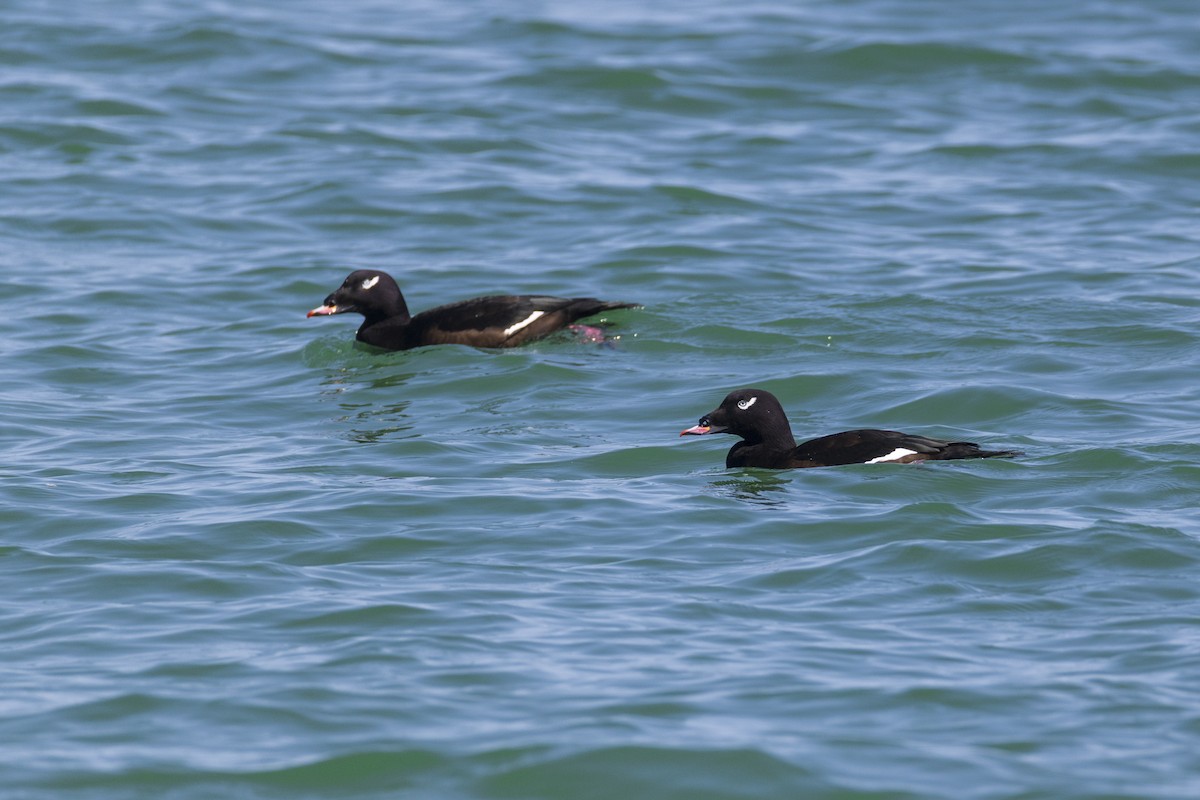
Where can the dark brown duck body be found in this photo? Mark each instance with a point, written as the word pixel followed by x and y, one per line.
pixel 494 321
pixel 767 442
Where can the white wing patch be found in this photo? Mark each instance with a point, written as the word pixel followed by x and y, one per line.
pixel 369 282
pixel 744 404
pixel 509 331
pixel 899 452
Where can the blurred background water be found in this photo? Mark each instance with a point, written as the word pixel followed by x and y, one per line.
pixel 244 558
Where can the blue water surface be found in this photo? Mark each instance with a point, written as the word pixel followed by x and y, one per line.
pixel 244 557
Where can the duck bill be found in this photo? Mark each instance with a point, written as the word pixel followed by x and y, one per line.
pixel 701 430
pixel 323 311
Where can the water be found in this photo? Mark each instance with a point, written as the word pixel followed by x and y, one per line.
pixel 244 558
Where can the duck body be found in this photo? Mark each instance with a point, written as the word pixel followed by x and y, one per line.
pixel 767 442
pixel 493 321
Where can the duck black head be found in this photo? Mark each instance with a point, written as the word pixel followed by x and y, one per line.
pixel 369 292
pixel 753 414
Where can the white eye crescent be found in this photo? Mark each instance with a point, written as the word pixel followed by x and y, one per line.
pixel 369 282
pixel 744 404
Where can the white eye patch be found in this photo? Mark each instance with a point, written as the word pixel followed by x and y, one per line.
pixel 369 282
pixel 744 404
pixel 509 331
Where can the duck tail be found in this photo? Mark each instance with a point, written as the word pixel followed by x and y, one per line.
pixel 972 450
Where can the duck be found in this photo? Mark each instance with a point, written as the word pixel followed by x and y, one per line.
pixel 492 321
pixel 758 418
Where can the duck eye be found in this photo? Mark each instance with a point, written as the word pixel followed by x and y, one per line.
pixel 371 281
pixel 744 404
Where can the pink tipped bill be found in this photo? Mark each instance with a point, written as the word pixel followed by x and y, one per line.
pixel 698 430
pixel 322 311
